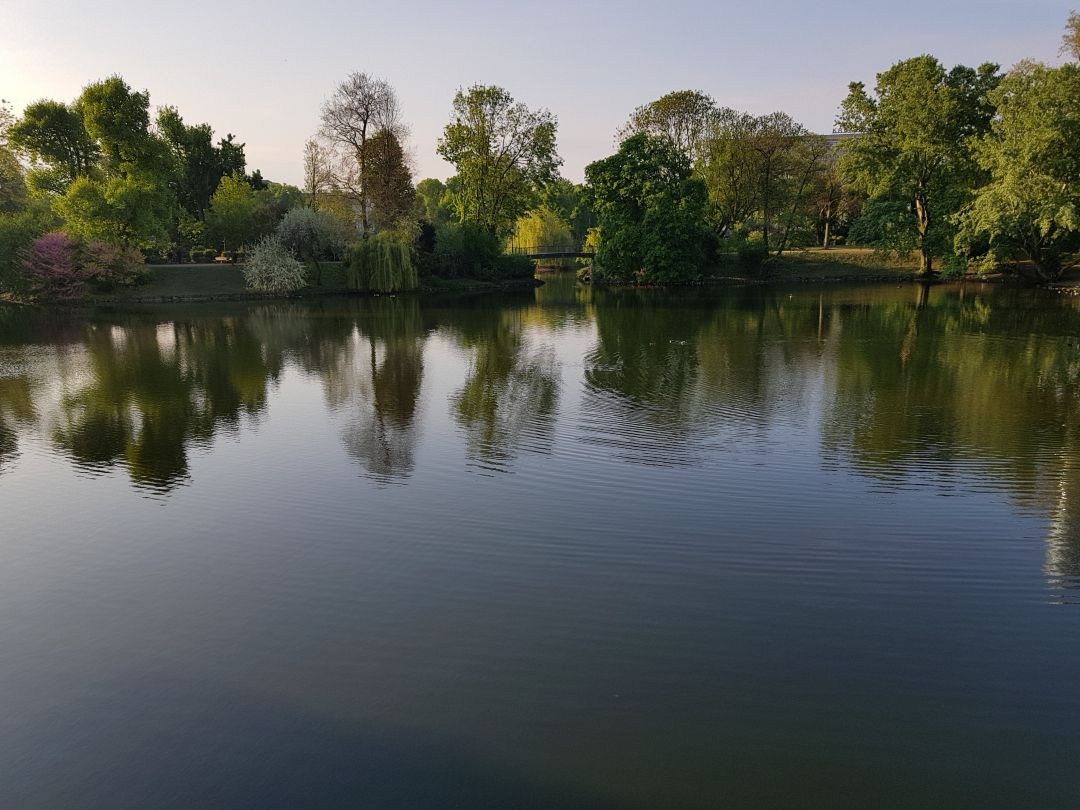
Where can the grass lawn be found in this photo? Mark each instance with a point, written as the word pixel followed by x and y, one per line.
pixel 197 281
pixel 816 263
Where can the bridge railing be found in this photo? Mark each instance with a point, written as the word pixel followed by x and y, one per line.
pixel 535 250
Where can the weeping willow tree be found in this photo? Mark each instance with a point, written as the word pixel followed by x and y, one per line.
pixel 543 230
pixel 381 264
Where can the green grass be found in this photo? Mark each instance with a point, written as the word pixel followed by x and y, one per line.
pixel 838 263
pixel 220 281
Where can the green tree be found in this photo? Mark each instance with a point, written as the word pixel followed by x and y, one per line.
pixel 361 106
pixel 1070 41
pixel 503 152
pixel 567 201
pixel 53 133
pixel 650 211
pixel 729 165
pixel 1030 208
pixel 119 120
pixel 390 187
pixel 682 117
pixel 912 156
pixel 231 220
pixel 200 164
pixel 13 195
pixel 435 206
pixel 129 211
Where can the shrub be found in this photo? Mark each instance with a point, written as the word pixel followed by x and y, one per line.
pixel 272 268
pixel 107 266
pixel 751 251
pixel 470 251
pixel 17 234
pixel 313 236
pixel 381 264
pixel 51 266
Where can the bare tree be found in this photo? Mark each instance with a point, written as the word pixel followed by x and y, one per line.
pixel 318 171
pixel 360 106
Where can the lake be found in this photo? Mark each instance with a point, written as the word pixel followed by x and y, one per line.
pixel 768 547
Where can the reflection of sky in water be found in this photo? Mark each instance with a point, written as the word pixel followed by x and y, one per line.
pixel 635 548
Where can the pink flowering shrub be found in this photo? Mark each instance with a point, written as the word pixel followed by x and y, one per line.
pixel 108 266
pixel 51 265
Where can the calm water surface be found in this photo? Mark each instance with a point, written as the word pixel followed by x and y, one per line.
pixel 765 547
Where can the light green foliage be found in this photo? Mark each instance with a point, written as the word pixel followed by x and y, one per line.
pixel 729 165
pixel 567 201
pixel 272 268
pixel 1070 41
pixel 53 133
pixel 913 152
pixel 231 221
pixel 683 117
pixel 503 152
pixel 119 120
pixel 1030 208
pixel 435 206
pixel 382 264
pixel 650 212
pixel 543 228
pixel 122 210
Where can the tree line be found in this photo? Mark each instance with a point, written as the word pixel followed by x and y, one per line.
pixel 962 167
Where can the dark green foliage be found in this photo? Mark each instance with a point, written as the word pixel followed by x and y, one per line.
pixel 17 232
pixel 471 251
pixel 650 212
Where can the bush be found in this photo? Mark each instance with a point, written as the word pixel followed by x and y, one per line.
pixel 17 234
pixel 470 251
pixel 51 266
pixel 751 251
pixel 108 266
pixel 272 268
pixel 380 264
pixel 313 236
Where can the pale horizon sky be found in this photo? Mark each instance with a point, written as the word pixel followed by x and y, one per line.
pixel 262 72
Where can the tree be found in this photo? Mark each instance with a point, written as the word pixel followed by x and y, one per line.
pixel 1030 208
pixel 1070 41
pixel 912 156
pixel 318 172
pixel 361 106
pixel 683 117
pixel 650 211
pixel 231 218
pixel 390 188
pixel 13 196
pixel 503 152
pixel 200 164
pixel 119 120
pixel 833 201
pixel 567 201
pixel 729 166
pixel 53 133
pixel 128 211
pixel 431 193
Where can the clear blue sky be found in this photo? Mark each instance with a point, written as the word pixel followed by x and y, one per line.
pixel 261 70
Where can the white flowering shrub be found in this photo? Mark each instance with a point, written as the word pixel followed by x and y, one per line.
pixel 270 267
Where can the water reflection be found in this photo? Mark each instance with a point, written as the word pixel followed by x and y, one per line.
pixel 909 387
pixel 511 392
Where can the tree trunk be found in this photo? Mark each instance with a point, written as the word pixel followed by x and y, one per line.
pixel 825 241
pixel 926 263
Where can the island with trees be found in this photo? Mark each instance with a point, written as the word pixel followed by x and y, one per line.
pixel 932 171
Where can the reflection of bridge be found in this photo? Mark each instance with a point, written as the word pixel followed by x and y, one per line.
pixel 559 251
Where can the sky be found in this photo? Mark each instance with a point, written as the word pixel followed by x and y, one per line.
pixel 261 70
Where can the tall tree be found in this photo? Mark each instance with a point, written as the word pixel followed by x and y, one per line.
pixel 503 152
pixel 232 216
pixel 912 157
pixel 53 133
pixel 391 191
pixel 432 195
pixel 118 118
pixel 650 211
pixel 728 164
pixel 682 117
pixel 1070 41
pixel 1030 208
pixel 360 106
pixel 200 164
pixel 318 172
